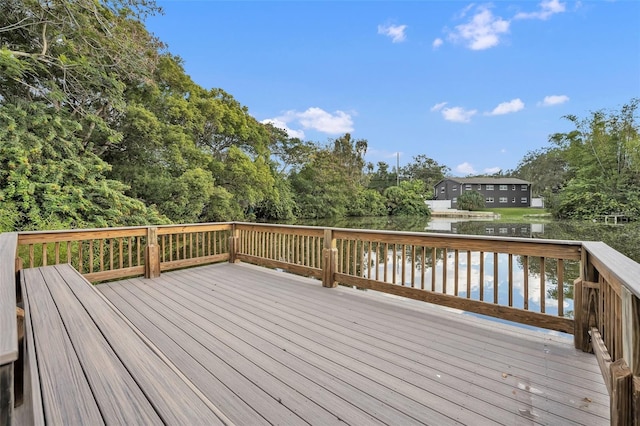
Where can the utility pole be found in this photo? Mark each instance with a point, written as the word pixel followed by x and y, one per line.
pixel 397 168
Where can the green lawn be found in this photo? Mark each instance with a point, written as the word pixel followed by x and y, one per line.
pixel 519 213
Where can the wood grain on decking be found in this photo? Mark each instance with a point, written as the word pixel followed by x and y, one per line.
pixel 270 347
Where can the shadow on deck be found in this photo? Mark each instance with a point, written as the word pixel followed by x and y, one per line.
pixel 270 347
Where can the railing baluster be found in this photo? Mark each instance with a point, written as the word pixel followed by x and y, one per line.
pixel 394 268
pixel 560 288
pixel 496 277
pixel 57 252
pixel 90 256
pixel 120 253
pixel 510 279
pixel 543 293
pixel 444 270
pixel 404 263
pixel 468 274
pixel 386 260
pixel 44 254
pixel 413 265
pixel 525 283
pixel 481 276
pixel 434 264
pixel 456 273
pixel 423 266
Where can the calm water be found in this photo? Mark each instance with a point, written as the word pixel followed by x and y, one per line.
pixel 622 237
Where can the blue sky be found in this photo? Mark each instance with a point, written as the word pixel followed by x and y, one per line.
pixel 474 86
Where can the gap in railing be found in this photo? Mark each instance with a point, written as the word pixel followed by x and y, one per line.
pixel 547 283
pixel 88 255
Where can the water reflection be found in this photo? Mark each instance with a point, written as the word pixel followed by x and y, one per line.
pixel 485 227
pixel 468 282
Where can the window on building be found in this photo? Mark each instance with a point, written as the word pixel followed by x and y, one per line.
pixel 504 187
pixel 513 200
pixel 503 199
pixel 479 186
pixel 455 188
pixel 442 189
pixel 454 200
pixel 467 187
pixel 524 200
pixel 523 187
pixel 489 200
pixel 513 187
pixel 489 230
pixel 489 187
pixel 503 230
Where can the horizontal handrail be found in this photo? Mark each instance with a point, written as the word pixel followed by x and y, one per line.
pixel 532 281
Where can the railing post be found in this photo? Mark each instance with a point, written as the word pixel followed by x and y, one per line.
pixel 621 394
pixel 631 330
pixel 329 260
pixel 585 302
pixel 234 244
pixel 152 251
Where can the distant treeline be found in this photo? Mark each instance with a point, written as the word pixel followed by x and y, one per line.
pixel 101 126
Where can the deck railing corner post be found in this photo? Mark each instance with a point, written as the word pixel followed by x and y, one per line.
pixel 152 254
pixel 580 327
pixel 329 259
pixel 234 244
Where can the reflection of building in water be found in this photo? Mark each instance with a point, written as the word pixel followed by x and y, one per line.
pixel 506 229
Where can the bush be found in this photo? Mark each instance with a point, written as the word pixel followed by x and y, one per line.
pixel 471 200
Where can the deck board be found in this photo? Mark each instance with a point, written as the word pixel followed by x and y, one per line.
pixel 271 347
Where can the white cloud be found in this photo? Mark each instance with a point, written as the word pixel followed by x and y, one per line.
pixel 513 105
pixel 396 32
pixel 483 31
pixel 465 168
pixel 554 100
pixel 547 9
pixel 438 107
pixel 315 118
pixel 492 170
pixel 458 114
pixel 282 125
pixel 437 43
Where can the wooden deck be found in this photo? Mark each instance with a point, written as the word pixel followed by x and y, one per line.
pixel 270 347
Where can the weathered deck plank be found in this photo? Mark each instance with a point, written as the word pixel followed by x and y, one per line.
pixel 394 355
pixel 269 346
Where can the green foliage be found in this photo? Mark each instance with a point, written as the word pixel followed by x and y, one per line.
pixel 603 165
pixel 546 169
pixel 48 181
pixel 425 169
pixel 367 202
pixel 471 200
pixel 407 199
pixel 327 185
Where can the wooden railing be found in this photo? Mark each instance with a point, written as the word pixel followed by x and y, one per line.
pixel 112 253
pixel 586 289
pixel 8 327
pixel 608 323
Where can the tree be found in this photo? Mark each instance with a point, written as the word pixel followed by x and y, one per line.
pixel 471 200
pixel 407 199
pixel 48 181
pixel 546 169
pixel 603 164
pixel 424 169
pixel 381 179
